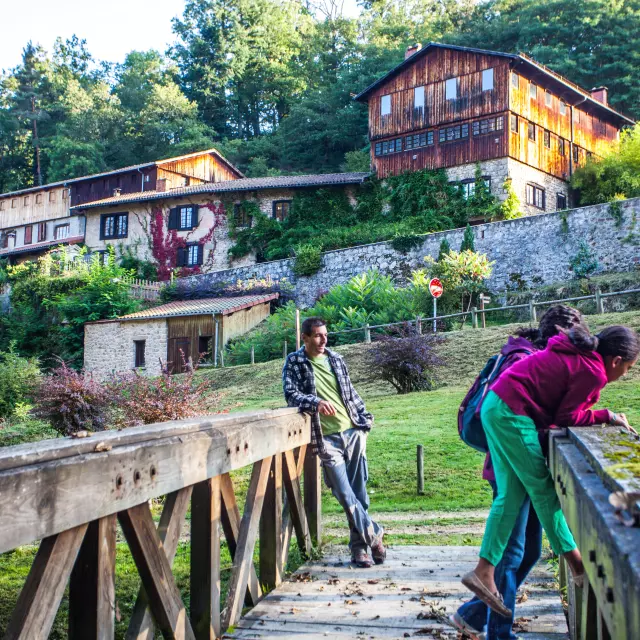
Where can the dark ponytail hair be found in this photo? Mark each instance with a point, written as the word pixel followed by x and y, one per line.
pixel 555 318
pixel 613 341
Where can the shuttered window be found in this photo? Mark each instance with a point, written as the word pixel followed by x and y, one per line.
pixel 240 215
pixel 183 218
pixel 28 235
pixel 42 231
pixel 114 225
pixel 190 256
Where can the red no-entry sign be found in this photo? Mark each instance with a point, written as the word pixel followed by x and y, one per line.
pixel 436 288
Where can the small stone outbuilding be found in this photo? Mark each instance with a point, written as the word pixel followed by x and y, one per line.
pixel 172 333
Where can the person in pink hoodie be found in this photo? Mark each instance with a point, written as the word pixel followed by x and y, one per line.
pixel 556 386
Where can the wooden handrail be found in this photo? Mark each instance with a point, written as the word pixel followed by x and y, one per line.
pixel 71 492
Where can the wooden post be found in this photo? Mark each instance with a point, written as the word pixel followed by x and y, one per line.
pixel 484 319
pixel 222 357
pixel 474 317
pixel 253 355
pixel 297 329
pixel 419 325
pixel 313 496
pixel 92 588
pixel 215 342
pixel 599 301
pixel 271 569
pixel 420 461
pixel 284 350
pixel 367 333
pixel 532 312
pixel 205 559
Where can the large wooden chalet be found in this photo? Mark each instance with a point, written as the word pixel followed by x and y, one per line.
pixel 451 107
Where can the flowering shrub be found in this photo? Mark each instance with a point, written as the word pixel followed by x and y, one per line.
pixel 72 402
pixel 407 362
pixel 140 400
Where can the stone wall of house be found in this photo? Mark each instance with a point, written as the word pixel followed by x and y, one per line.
pixel 109 346
pixel 497 170
pixel 539 247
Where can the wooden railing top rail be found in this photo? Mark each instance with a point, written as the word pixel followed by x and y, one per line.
pixel 53 486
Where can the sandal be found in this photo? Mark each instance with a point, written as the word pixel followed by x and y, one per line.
pixel 492 600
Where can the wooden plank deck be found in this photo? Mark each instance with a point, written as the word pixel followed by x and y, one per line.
pixel 410 595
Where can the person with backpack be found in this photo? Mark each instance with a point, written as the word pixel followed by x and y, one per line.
pixel 524 547
pixel 556 386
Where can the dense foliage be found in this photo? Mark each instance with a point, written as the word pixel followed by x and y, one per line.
pixel 19 378
pixel 271 81
pixel 613 177
pixel 408 361
pixel 49 306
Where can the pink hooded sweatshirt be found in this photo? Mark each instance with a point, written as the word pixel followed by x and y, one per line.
pixel 556 386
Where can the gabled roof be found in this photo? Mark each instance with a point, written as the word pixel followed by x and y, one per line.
pixel 133 167
pixel 205 306
pixel 570 92
pixel 229 186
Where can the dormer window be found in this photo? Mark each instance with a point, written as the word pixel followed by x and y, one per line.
pixel 385 106
pixel 418 98
pixel 487 80
pixel 451 89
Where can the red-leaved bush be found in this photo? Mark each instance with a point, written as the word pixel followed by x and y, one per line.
pixel 72 402
pixel 141 400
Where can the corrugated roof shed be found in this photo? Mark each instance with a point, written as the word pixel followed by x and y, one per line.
pixel 205 306
pixel 227 186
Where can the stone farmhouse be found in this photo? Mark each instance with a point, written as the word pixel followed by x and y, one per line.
pixel 34 220
pixel 451 107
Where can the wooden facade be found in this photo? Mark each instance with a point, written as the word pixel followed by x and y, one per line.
pixel 33 205
pixel 441 87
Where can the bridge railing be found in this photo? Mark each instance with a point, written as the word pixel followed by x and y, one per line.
pixel 601 501
pixel 71 494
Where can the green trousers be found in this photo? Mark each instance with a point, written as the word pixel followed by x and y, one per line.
pixel 520 469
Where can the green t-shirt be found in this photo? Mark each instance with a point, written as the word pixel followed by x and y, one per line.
pixel 327 389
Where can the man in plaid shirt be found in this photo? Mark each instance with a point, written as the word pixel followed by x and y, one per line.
pixel 316 381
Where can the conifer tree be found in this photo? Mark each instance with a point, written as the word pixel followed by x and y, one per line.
pixel 445 248
pixel 468 241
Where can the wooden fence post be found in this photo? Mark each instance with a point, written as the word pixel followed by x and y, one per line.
pixel 420 462
pixel 474 317
pixel 367 333
pixel 599 301
pixel 419 325
pixel 271 569
pixel 532 312
pixel 313 496
pixel 253 355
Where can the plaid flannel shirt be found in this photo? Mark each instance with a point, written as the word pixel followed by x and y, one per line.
pixel 300 391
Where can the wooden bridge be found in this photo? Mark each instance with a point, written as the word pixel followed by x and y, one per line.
pixel 80 497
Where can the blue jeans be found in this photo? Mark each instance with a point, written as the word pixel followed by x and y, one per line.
pixel 346 474
pixel 521 555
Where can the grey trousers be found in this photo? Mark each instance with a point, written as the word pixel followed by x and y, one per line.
pixel 346 474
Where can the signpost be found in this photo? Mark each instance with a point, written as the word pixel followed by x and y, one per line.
pixel 436 289
pixel 484 299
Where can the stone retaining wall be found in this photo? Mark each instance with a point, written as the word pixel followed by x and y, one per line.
pixel 541 246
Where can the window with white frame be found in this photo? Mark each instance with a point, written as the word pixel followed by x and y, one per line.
pixel 385 105
pixel 535 196
pixel 61 231
pixel 451 89
pixel 487 80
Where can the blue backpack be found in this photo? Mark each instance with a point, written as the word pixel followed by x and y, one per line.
pixel 469 422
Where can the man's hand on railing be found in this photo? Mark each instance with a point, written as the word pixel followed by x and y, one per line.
pixel 620 420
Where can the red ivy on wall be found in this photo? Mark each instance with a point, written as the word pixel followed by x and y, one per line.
pixel 165 243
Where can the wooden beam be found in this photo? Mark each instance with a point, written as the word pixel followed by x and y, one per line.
pixel 205 559
pixel 271 529
pixel 231 527
pixel 296 504
pixel 141 625
pixel 287 522
pixel 92 588
pixel 313 496
pixel 243 559
pixel 39 500
pixel 157 578
pixel 40 597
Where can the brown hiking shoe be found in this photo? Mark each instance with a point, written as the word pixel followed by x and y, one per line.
pixel 379 552
pixel 361 559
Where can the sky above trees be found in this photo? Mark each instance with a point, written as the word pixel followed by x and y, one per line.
pixel 270 82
